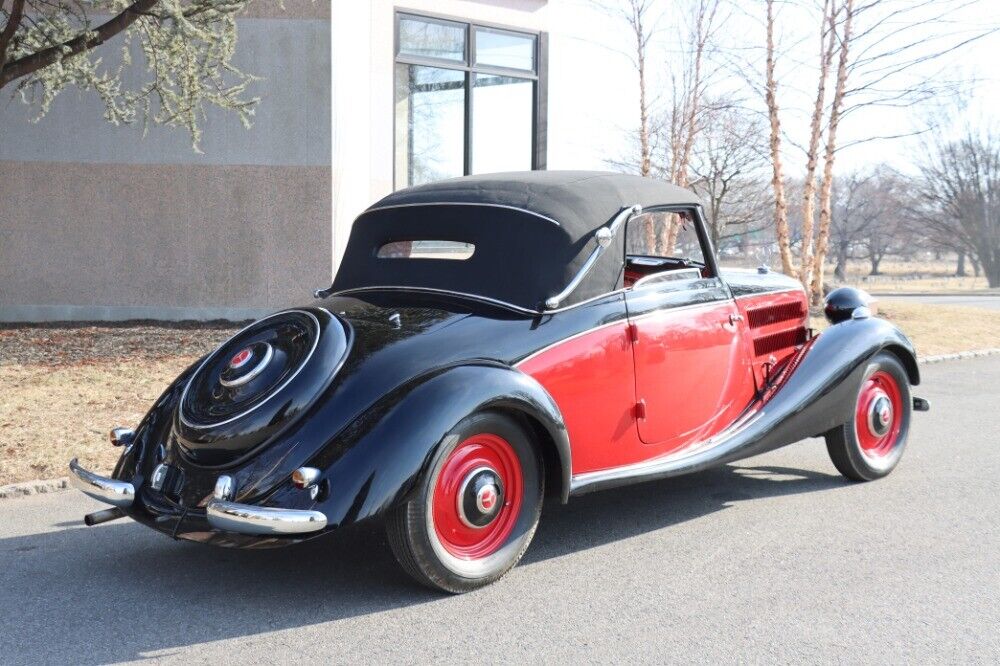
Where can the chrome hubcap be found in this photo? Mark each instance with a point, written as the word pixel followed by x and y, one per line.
pixel 880 415
pixel 480 497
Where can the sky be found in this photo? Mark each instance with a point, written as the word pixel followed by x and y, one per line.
pixel 588 62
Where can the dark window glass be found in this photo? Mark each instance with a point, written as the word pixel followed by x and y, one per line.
pixel 426 249
pixel 430 124
pixel 501 123
pixel 497 48
pixel 431 39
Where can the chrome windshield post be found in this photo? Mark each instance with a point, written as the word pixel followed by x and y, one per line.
pixel 604 236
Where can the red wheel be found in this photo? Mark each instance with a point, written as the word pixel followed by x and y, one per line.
pixel 478 496
pixel 476 509
pixel 878 415
pixel 870 445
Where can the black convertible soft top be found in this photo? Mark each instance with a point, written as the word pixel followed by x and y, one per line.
pixel 532 232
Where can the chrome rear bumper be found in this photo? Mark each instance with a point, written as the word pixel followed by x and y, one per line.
pixel 221 514
pixel 264 520
pixel 103 489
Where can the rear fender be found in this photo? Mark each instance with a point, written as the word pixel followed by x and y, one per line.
pixel 376 462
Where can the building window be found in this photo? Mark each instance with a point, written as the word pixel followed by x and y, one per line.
pixel 469 99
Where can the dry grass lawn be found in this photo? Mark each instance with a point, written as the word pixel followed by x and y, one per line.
pixel 62 389
pixel 939 329
pixel 911 276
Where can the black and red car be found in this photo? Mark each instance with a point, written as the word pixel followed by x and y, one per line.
pixel 491 341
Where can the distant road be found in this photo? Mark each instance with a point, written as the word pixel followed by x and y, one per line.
pixel 988 301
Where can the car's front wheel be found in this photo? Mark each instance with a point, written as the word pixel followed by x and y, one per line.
pixel 475 510
pixel 870 445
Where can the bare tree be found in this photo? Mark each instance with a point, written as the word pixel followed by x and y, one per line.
pixel 959 195
pixel 640 21
pixel 827 41
pixel 878 47
pixel 727 169
pixel 685 114
pixel 677 126
pixel 830 155
pixel 836 21
pixel 777 165
pixel 850 218
pixel 885 198
pixel 636 14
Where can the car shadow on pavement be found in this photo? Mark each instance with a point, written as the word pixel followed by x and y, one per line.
pixel 120 591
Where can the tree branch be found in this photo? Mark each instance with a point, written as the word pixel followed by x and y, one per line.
pixel 13 22
pixel 83 42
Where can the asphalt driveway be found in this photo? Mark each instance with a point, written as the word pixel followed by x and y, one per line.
pixel 776 559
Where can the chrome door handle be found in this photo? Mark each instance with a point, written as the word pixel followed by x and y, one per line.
pixel 733 318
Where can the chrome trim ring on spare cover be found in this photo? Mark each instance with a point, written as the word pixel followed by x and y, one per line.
pixel 274 392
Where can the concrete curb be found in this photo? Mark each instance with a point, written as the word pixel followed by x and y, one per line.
pixel 56 485
pixel 27 488
pixel 960 355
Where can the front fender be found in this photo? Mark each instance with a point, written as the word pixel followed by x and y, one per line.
pixel 377 460
pixel 821 391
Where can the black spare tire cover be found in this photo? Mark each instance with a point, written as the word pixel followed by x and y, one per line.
pixel 258 383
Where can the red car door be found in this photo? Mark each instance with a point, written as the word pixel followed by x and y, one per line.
pixel 693 374
pixel 692 371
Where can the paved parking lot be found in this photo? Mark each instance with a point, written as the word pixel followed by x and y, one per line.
pixel 775 559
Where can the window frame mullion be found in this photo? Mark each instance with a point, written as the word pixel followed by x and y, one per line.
pixel 469 74
pixel 538 77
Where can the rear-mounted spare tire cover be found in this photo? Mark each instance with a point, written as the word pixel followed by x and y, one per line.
pixel 258 383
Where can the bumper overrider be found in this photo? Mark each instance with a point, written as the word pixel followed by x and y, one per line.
pixel 221 514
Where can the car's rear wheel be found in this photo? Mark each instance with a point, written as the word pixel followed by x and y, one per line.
pixel 475 510
pixel 870 445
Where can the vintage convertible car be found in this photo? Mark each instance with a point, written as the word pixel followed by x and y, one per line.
pixel 490 341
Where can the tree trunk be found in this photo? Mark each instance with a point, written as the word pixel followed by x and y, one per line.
pixel 32 62
pixel 777 175
pixel 991 268
pixel 827 36
pixel 825 208
pixel 993 277
pixel 875 260
pixel 650 232
pixel 840 272
pixel 640 52
pixel 692 108
pixel 960 269
pixel 14 17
